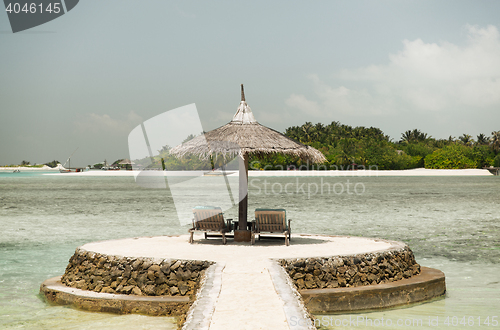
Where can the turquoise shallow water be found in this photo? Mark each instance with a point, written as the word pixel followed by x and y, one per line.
pixel 451 223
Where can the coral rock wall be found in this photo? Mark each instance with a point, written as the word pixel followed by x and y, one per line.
pixel 351 271
pixel 138 276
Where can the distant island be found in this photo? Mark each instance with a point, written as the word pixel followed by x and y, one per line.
pixel 119 164
pixel 26 164
pixel 345 148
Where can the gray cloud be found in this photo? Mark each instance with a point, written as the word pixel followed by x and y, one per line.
pixel 95 123
pixel 428 78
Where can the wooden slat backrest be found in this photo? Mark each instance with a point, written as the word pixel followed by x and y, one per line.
pixel 209 219
pixel 271 220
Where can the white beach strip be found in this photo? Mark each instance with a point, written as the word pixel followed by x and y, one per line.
pixel 357 173
pixel 374 173
pixel 23 168
pixel 133 173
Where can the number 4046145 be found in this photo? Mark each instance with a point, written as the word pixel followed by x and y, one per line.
pixel 471 321
pixel 33 8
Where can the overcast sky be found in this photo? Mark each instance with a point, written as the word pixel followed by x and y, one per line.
pixel 89 77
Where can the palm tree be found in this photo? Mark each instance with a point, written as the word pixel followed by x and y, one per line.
pixel 306 132
pixel 414 136
pixel 482 139
pixel 406 136
pixel 188 138
pixel 317 132
pixel 495 141
pixel 164 149
pixel 347 151
pixel 466 139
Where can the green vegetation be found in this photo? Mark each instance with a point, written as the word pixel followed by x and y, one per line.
pixel 97 166
pixel 173 163
pixel 346 147
pixel 52 163
pixel 25 164
pixel 496 161
pixel 368 148
pixel 451 156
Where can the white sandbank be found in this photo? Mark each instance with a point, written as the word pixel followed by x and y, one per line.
pixel 357 173
pixel 374 173
pixel 44 168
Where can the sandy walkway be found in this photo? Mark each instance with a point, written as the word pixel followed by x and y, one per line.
pixel 247 299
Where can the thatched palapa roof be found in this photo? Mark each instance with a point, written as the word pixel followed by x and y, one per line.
pixel 126 162
pixel 244 135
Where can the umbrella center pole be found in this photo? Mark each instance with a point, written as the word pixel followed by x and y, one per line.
pixel 242 234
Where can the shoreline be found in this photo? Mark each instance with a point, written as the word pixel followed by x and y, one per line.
pixel 357 173
pixel 45 168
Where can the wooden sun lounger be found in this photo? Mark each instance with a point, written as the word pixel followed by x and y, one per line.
pixel 209 218
pixel 272 221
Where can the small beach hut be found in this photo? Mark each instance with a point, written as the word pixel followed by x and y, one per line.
pixel 241 137
pixel 128 164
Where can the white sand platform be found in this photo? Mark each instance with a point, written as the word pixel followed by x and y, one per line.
pixel 212 249
pixel 246 287
pixel 248 298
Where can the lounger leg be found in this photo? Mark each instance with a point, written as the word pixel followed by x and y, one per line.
pixel 253 238
pixel 287 243
pixel 205 235
pixel 289 230
pixel 191 236
pixel 224 239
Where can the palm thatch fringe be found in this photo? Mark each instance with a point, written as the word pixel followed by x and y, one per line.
pixel 250 138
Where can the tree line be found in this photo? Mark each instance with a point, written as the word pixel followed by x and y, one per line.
pixel 346 147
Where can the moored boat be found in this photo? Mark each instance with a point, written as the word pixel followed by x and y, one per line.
pixel 63 169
